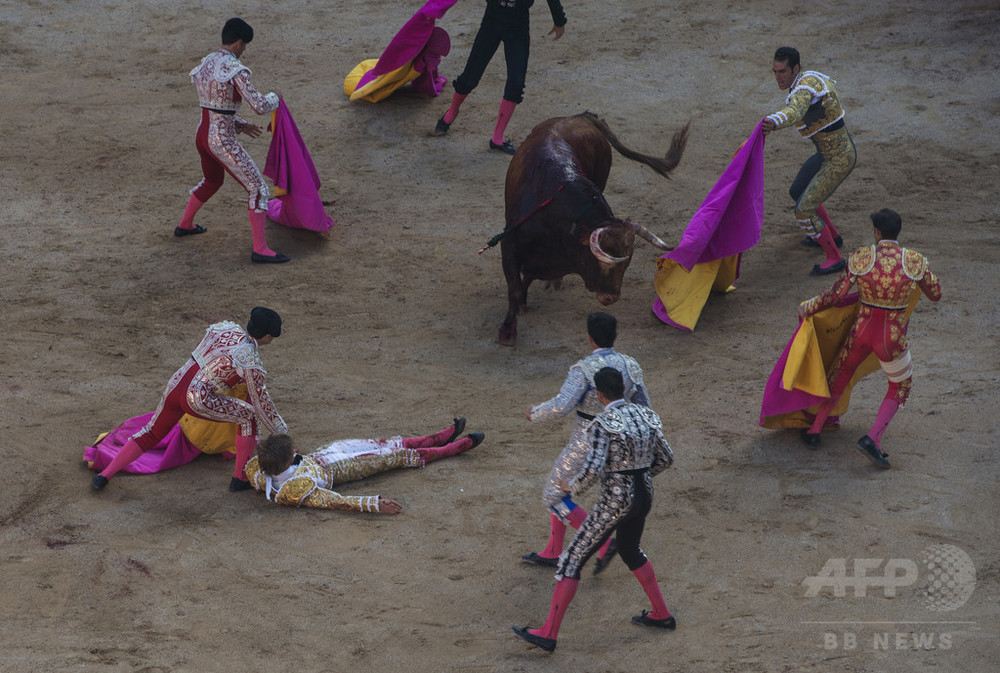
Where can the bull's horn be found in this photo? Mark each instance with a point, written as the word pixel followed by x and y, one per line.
pixel 643 232
pixel 595 247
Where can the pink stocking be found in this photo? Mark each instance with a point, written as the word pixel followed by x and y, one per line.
pixel 437 453
pixel 825 241
pixel 561 598
pixel 456 103
pixel 647 579
pixel 557 535
pixel 123 458
pixel 187 220
pixel 886 411
pixel 825 216
pixel 822 414
pixel 244 451
pixel 429 441
pixel 257 223
pixel 503 117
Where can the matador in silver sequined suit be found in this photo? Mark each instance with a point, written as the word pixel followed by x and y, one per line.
pixel 579 395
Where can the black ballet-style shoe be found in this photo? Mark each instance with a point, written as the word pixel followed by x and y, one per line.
pixel 866 445
pixel 507 147
pixel 810 242
pixel 276 258
pixel 810 439
pixel 236 485
pixel 601 563
pixel 818 270
pixel 98 482
pixel 477 439
pixel 181 231
pixel 645 620
pixel 547 644
pixel 534 559
pixel 441 127
pixel 459 426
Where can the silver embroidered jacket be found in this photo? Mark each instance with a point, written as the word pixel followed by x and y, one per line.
pixel 623 438
pixel 223 82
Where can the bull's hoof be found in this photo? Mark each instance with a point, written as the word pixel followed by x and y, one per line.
pixel 507 337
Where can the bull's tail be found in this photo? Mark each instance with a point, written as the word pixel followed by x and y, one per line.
pixel 662 166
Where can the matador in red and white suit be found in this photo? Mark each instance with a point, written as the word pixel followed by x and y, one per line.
pixel 886 275
pixel 223 83
pixel 226 356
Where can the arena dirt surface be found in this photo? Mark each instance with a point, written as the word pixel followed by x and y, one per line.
pixel 391 326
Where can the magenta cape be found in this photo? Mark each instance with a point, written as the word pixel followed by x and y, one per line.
pixel 409 45
pixel 729 221
pixel 175 449
pixel 292 169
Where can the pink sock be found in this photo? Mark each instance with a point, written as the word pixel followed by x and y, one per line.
pixel 439 452
pixel 825 216
pixel 244 451
pixel 825 241
pixel 187 220
pixel 576 516
pixel 257 223
pixel 429 441
pixel 647 579
pixel 561 598
pixel 503 118
pixel 122 459
pixel 822 414
pixel 456 102
pixel 557 535
pixel 886 411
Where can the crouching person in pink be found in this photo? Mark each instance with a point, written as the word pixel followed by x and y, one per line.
pixel 627 449
pixel 226 356
pixel 290 478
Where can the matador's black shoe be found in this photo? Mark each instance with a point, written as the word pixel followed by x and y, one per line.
pixel 547 644
pixel 98 482
pixel 441 127
pixel 866 445
pixel 534 559
pixel 181 231
pixel 810 439
pixel 236 485
pixel 810 242
pixel 507 147
pixel 477 439
pixel 459 426
pixel 276 258
pixel 645 620
pixel 601 563
pixel 818 270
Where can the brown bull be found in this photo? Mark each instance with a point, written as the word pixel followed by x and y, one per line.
pixel 558 221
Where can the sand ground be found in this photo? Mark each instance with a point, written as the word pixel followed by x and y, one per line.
pixel 390 327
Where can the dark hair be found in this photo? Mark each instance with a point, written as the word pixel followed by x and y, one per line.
pixel 888 222
pixel 236 29
pixel 609 382
pixel 789 55
pixel 603 329
pixel 274 453
pixel 264 321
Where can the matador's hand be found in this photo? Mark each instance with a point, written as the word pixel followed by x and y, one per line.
pixel 557 31
pixel 252 130
pixel 527 414
pixel 389 507
pixel 766 125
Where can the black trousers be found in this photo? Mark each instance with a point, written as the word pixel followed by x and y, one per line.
pixel 516 43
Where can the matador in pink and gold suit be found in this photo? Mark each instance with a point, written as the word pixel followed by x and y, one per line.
pixel 886 275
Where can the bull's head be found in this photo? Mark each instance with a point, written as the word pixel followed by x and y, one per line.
pixel 612 246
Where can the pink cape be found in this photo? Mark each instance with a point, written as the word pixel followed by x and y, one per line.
pixel 729 220
pixel 175 449
pixel 419 43
pixel 778 401
pixel 292 169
